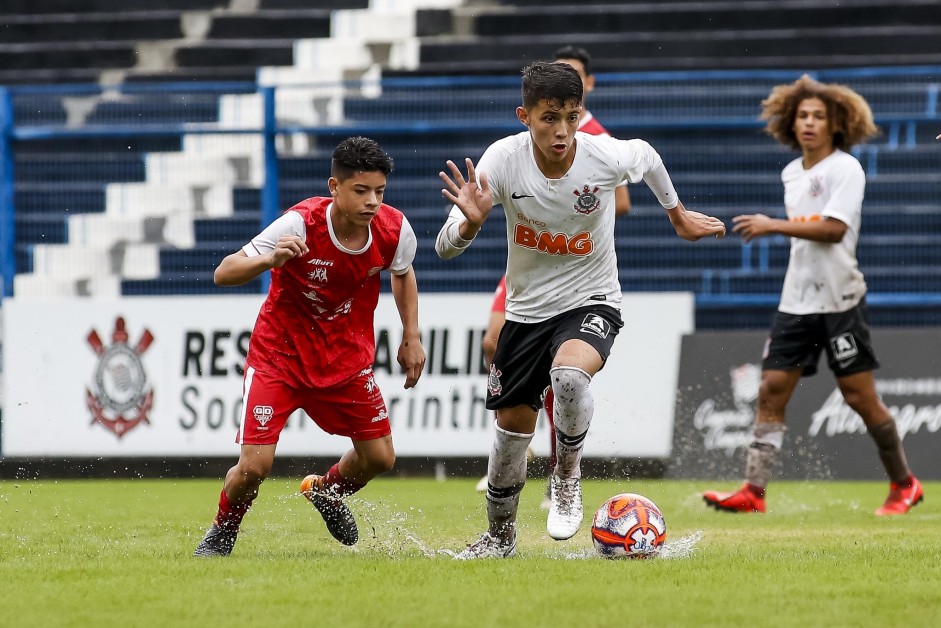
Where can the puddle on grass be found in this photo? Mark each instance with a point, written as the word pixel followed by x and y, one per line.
pixel 389 531
pixel 682 547
pixel 392 532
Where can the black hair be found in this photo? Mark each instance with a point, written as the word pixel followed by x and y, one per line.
pixel 359 154
pixel 557 83
pixel 575 52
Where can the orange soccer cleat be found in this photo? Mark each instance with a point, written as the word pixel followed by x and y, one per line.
pixel 743 500
pixel 902 498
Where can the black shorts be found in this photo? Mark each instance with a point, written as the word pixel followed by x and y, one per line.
pixel 520 370
pixel 797 339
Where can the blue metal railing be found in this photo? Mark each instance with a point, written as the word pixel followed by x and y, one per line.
pixel 901 133
pixel 7 209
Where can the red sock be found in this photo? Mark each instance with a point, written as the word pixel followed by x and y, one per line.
pixel 758 491
pixel 907 482
pixel 339 485
pixel 230 515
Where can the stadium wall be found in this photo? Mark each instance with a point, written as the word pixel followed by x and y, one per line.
pixel 719 376
pixel 159 378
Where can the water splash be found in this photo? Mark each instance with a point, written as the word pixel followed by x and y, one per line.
pixel 390 531
pixel 682 547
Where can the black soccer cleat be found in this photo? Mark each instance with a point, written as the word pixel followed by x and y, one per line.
pixel 217 542
pixel 339 518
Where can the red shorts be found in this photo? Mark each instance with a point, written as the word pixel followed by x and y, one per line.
pixel 354 408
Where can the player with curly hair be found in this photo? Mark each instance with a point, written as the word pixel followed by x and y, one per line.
pixel 823 301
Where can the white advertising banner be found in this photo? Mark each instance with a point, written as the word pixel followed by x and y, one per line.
pixel 162 376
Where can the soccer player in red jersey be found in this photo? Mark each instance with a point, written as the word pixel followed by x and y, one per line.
pixel 823 301
pixel 313 343
pixel 579 59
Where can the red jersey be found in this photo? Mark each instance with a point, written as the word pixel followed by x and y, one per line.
pixel 499 297
pixel 315 329
pixel 588 124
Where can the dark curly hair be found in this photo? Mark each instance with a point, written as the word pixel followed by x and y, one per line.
pixel 848 113
pixel 557 83
pixel 359 154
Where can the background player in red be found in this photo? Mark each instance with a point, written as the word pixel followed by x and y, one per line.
pixel 823 301
pixel 313 344
pixel 579 59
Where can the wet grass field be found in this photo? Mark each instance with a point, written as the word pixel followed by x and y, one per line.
pixel 118 553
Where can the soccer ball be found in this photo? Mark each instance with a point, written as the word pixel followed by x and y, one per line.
pixel 628 526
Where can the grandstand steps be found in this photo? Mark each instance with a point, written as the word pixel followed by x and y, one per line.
pixel 77 167
pixel 239 52
pixel 643 36
pixel 271 24
pixel 64 56
pixel 910 45
pixel 50 7
pixel 90 27
pixel 304 4
pixel 694 18
pixel 197 283
pixel 194 75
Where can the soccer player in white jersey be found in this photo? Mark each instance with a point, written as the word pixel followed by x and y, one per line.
pixel 579 59
pixel 556 186
pixel 823 301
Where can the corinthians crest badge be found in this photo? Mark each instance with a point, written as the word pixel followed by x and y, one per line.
pixel 122 397
pixel 587 201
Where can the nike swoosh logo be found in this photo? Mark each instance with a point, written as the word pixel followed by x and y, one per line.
pixel 516 196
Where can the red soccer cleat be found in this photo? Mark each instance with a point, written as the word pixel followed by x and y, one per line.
pixel 902 498
pixel 742 500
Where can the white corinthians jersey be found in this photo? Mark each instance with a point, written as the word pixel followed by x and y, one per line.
pixel 560 232
pixel 824 277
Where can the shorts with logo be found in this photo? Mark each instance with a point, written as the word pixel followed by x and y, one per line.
pixel 520 370
pixel 354 408
pixel 796 341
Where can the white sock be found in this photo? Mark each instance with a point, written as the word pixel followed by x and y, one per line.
pixel 572 412
pixel 506 475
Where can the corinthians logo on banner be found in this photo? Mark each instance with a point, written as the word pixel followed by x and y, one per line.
pixel 122 398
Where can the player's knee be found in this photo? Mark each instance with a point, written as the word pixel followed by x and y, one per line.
pixel 569 384
pixel 252 473
pixel 771 394
pixel 864 402
pixel 382 462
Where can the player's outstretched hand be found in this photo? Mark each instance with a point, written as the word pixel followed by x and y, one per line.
pixel 693 226
pixel 751 226
pixel 475 201
pixel 411 358
pixel 288 247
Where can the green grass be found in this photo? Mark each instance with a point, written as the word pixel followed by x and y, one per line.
pixel 118 553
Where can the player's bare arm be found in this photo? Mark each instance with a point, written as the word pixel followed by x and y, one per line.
pixel 693 226
pixel 238 269
pixel 751 226
pixel 411 356
pixel 622 200
pixel 475 201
